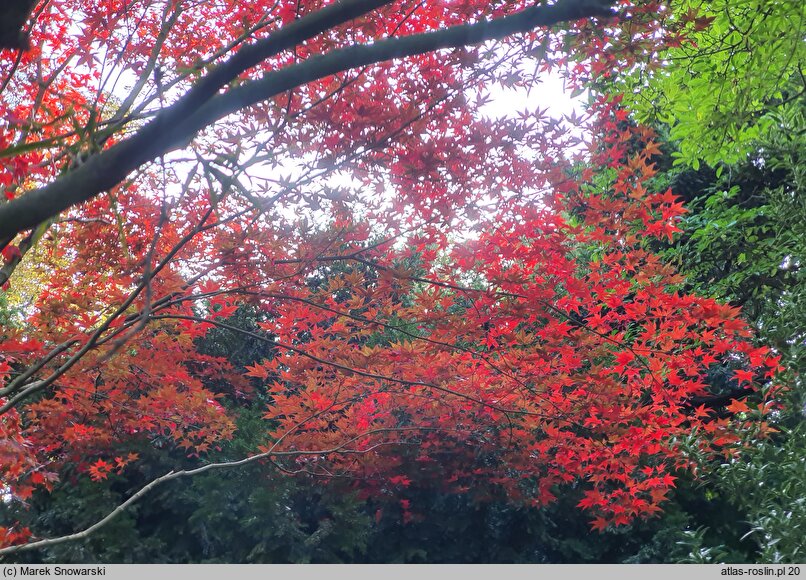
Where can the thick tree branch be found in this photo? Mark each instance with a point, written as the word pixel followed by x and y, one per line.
pixel 13 14
pixel 202 106
pixel 105 170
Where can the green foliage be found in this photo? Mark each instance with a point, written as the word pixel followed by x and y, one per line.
pixel 255 518
pixel 82 503
pixel 768 484
pixel 745 241
pixel 719 91
pixel 7 314
pixel 700 549
pixel 461 528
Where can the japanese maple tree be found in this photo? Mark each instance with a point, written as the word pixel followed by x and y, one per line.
pixel 445 296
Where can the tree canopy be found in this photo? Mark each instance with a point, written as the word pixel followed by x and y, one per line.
pixel 243 241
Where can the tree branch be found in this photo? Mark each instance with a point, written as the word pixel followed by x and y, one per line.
pixel 345 368
pixel 341 448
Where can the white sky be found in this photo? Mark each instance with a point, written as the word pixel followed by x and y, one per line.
pixel 550 94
